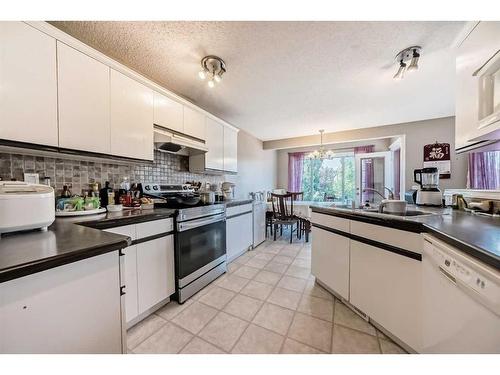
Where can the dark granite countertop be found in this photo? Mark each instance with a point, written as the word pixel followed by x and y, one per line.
pixel 478 236
pixel 67 240
pixel 238 202
pixel 125 217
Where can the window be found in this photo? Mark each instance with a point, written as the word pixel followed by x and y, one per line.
pixel 332 179
pixel 484 170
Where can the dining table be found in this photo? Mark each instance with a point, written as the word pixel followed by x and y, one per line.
pixel 303 208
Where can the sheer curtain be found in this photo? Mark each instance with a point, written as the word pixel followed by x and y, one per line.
pixel 484 170
pixel 397 173
pixel 367 176
pixel 295 170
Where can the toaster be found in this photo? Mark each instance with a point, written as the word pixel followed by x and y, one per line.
pixel 25 206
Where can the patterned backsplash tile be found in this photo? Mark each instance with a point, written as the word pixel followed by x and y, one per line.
pixel 78 174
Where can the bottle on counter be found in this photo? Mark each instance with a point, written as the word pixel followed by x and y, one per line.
pixel 66 193
pixel 105 194
pixel 94 189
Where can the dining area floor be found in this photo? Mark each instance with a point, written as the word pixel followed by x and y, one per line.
pixel 267 302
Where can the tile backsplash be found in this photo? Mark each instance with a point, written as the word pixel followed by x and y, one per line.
pixel 78 174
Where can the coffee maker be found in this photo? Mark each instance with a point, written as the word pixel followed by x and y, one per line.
pixel 428 194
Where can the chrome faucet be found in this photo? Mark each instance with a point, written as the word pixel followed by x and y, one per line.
pixel 390 196
pixel 383 204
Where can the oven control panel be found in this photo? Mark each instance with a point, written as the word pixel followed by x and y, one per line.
pixel 156 188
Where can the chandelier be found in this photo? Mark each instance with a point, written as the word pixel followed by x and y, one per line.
pixel 320 153
pixel 212 67
pixel 411 55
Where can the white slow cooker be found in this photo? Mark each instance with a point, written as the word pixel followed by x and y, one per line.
pixel 25 206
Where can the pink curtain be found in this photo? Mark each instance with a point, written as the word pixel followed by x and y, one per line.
pixel 367 177
pixel 295 170
pixel 364 149
pixel 484 170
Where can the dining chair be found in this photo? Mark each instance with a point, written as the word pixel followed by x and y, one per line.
pixel 283 214
pixel 299 196
pixel 269 222
pixel 296 196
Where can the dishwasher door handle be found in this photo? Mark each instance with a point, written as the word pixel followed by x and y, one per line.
pixel 448 275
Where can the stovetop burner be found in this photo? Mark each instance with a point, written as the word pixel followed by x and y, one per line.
pixel 176 196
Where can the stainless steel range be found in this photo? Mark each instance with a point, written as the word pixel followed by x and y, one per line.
pixel 200 237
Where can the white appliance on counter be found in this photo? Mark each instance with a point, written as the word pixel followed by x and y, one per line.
pixel 259 218
pixel 228 190
pixel 461 302
pixel 25 206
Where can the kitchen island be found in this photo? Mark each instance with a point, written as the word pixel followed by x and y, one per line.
pixel 428 281
pixel 476 235
pixel 64 288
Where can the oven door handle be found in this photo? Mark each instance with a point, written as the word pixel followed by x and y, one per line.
pixel 187 225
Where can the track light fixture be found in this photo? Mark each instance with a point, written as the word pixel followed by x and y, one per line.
pixel 212 67
pixel 401 71
pixel 411 55
pixel 414 61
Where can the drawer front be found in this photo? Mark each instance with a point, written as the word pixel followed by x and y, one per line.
pixel 155 227
pixel 126 230
pixel 331 222
pixel 395 237
pixel 235 210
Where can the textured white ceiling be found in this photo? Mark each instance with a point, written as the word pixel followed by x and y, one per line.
pixel 289 79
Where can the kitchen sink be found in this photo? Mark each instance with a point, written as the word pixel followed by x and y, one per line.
pixel 407 213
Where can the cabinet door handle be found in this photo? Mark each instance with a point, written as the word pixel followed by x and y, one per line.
pixel 122 290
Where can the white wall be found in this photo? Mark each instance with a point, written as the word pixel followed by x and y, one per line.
pixel 256 167
pixel 418 134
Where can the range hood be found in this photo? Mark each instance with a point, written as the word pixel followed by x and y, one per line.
pixel 166 140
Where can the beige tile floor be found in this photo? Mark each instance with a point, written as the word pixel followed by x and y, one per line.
pixel 268 302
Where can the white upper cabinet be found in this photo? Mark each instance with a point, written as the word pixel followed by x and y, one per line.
pixel 28 85
pixel 194 123
pixel 83 92
pixel 168 113
pixel 214 158
pixel 474 57
pixel 230 150
pixel 131 118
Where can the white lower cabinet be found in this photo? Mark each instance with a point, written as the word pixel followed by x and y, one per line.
pixel 74 308
pixel 387 287
pixel 239 233
pixel 149 266
pixel 155 271
pixel 330 260
pixel 131 302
